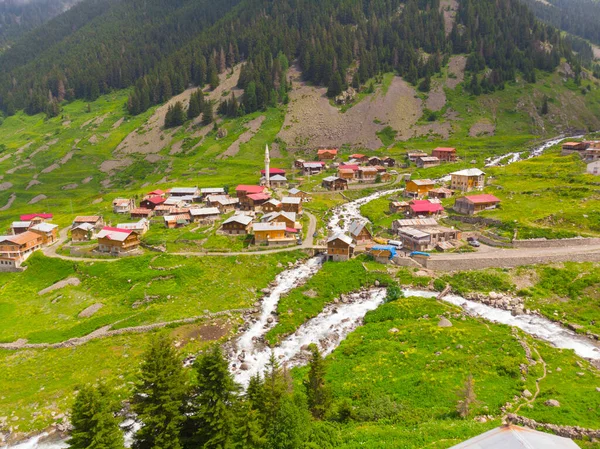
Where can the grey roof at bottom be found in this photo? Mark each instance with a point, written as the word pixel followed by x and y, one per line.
pixel 515 437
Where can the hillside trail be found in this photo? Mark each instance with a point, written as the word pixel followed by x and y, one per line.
pixel 531 362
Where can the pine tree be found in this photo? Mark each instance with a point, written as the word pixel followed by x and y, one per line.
pixel 195 106
pixel 290 427
pixel 335 86
pixel 425 85
pixel 250 102
pixel 276 385
pixel 467 398
pixel 474 87
pixel 211 402
pixel 249 433
pixel 207 113
pixel 317 392
pixel 213 75
pixel 158 397
pixel 93 418
pixel 544 110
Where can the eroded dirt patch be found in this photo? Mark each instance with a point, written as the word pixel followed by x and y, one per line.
pixel 312 121
pixel 91 310
pixel 111 165
pixel 436 99
pixel 482 128
pixel 33 182
pixel 37 199
pixel 456 71
pixel 449 8
pixel 11 200
pixel 5 186
pixel 59 285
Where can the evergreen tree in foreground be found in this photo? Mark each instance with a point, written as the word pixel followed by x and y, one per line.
pixel 158 397
pixel 211 403
pixel 317 392
pixel 94 423
pixel 175 115
pixel 196 104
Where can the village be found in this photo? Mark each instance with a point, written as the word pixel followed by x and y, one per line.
pixel 270 213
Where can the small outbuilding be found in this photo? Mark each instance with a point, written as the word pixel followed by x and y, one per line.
pixel 473 204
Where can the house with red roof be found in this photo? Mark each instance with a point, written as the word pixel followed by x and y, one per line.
pixel 327 154
pixel 117 241
pixel 157 192
pixel 359 157
pixel 36 218
pixel 254 200
pixel 425 207
pixel 151 202
pixel 444 154
pixel 473 204
pixel 242 190
pixel 273 172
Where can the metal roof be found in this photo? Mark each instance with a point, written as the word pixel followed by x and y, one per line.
pixel 356 227
pixel 243 219
pixel 205 211
pixel 213 190
pixel 412 232
pixel 271 226
pixel 343 237
pixel 468 172
pixel 422 182
pixel 291 200
pixel 44 227
pixel 20 224
pixel 188 190
pixel 515 437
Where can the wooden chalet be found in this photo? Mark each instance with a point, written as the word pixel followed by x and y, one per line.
pixel 48 231
pixel 151 202
pixel 292 204
pixel 122 205
pixel 334 183
pixel 359 232
pixel 427 161
pixel 236 225
pixel 475 203
pixel 15 249
pixel 117 241
pixel 327 154
pixel 142 212
pixel 467 180
pixel 339 248
pixel 445 154
pixel 273 205
pixel 440 193
pixel 418 188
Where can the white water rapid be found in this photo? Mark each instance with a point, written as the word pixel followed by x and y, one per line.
pixel 536 326
pixel 507 159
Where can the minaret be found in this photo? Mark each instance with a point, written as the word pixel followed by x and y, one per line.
pixel 267 167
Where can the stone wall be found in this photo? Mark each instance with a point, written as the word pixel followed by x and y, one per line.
pixel 573 432
pixel 544 243
pixel 506 262
pixel 470 219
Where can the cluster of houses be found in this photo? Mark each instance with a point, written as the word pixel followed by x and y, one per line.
pixel 358 169
pixel 437 156
pixel 31 233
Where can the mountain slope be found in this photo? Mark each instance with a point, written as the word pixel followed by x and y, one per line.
pixel 17 17
pixel 165 46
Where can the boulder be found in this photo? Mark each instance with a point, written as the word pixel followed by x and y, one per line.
pixel 245 366
pixel 444 322
pixel 552 403
pixel 527 394
pixel 393 330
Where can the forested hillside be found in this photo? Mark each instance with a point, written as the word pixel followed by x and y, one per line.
pixel 164 46
pixel 577 17
pixel 17 17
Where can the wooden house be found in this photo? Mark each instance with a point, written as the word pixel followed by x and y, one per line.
pixel 254 200
pixel 327 154
pixel 272 233
pixel 141 226
pixel 388 161
pixel 360 233
pixel 359 157
pixel 386 177
pixel 15 249
pixel 593 168
pixel 204 214
pixel 367 174
pixel 141 212
pixel 467 180
pixel 19 227
pixel 162 210
pixel 418 188
pixel 427 161
pixel 292 204
pixel 244 190
pixel 83 232
pixel 339 248
pixel 192 192
pixel 278 182
pixel 117 241
pixel 223 203
pixel 475 203
pixel 157 192
pixel 95 220
pixel 297 193
pixel 151 202
pixel 334 183
pixel 237 224
pixel 48 231
pixel 312 168
pixel 205 192
pixel 374 160
pixel 273 205
pixel 440 193
pixel 412 156
pixel 177 221
pixel 573 147
pixel 273 172
pixel 36 218
pixel 445 154
pixel 122 205
pixel 289 218
pixel 398 207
